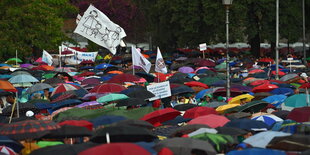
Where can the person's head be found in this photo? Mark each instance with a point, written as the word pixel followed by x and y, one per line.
pixel 243 101
pixel 36 96
pixel 10 99
pixel 208 97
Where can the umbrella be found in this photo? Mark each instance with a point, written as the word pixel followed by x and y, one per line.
pixel 38 87
pixel 238 115
pixel 262 139
pixel 103 66
pixel 23 78
pixel 68 131
pixel 268 119
pixel 90 81
pixel 296 142
pixel 81 123
pixel 237 99
pixel 275 100
pixel 147 76
pixel 6 141
pixel 91 103
pixel 111 97
pixel 264 88
pixel 23 108
pixel 181 89
pixel 184 146
pixel 7 150
pixel 107 88
pixel 209 80
pixel 54 81
pixel 121 78
pixel 301 114
pixel 160 116
pixel 138 123
pixel 65 103
pixel 253 107
pixel 196 84
pixel 131 102
pixel 283 91
pixel 20 72
pixel 259 96
pixel 211 120
pixel 116 149
pixel 247 124
pixel 64 149
pixel 106 120
pixel 288 77
pixel 186 69
pixel 256 151
pixel 198 111
pixel 64 88
pixel 140 93
pixel 231 131
pixel 13 60
pixel 184 107
pixel 187 129
pixel 29 129
pixel 123 134
pixel 223 91
pixel 297 100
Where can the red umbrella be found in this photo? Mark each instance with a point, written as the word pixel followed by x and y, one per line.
pixel 159 116
pixel 259 82
pixel 87 62
pixel 161 76
pixel 198 111
pixel 256 71
pixel 265 60
pixel 121 78
pixel 87 73
pixel 82 123
pixel 208 63
pixel 280 73
pixel 196 84
pixel 63 97
pixel 211 120
pixel 301 114
pixel 107 88
pixel 116 149
pixel 64 88
pixel 264 88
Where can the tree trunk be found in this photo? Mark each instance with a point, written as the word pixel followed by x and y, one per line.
pixel 255 45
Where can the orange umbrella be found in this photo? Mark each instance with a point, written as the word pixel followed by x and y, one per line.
pixel 146 56
pixel 115 72
pixel 7 86
pixel 256 71
pixel 5 67
pixel 47 67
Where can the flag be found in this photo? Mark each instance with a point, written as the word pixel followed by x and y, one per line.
pixel 139 60
pixel 47 58
pixel 78 18
pixel 160 65
pixel 97 27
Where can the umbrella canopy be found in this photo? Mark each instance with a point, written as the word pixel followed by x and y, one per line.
pixel 196 84
pixel 198 111
pixel 247 124
pixel 252 107
pixel 283 91
pixel 23 78
pixel 160 116
pixel 54 81
pixel 268 119
pixel 301 114
pixel 138 123
pixel 107 88
pixel 211 120
pixel 19 72
pixel 187 129
pixel 262 139
pixel 256 151
pixel 131 102
pixel 181 89
pixel 288 77
pixel 69 131
pixel 64 88
pixel 82 123
pixel 6 141
pixel 121 78
pixel 296 142
pixel 111 97
pixel 237 99
pixel 106 120
pixel 116 149
pixel 140 93
pixel 29 129
pixel 6 150
pixel 297 100
pixel 184 146
pixel 184 107
pixel 23 108
pixel 231 131
pixel 13 60
pixel 186 69
pixel 7 86
pixel 38 87
pixel 264 88
pixel 275 100
pixel 123 134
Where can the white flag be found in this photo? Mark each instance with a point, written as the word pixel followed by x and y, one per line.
pixel 47 58
pixel 139 60
pixel 160 65
pixel 97 27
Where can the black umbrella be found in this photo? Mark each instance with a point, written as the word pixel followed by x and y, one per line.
pixel 181 89
pixel 187 129
pixel 6 141
pixel 69 131
pixel 133 122
pixel 64 149
pixel 123 134
pixel 130 102
pixel 185 146
pixel 141 94
pixel 184 107
pixel 23 108
pixel 231 131
pixel 296 142
pixel 54 81
pixel 148 77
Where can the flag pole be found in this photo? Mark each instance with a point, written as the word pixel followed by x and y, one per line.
pixel 60 47
pixel 16 58
pixel 133 66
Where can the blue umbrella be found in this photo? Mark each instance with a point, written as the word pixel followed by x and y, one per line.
pixel 105 120
pixel 247 124
pixel 1 65
pixel 204 92
pixel 6 141
pixel 283 91
pixel 23 78
pixel 297 100
pixel 5 76
pixel 275 100
pixel 103 66
pixel 262 139
pixel 219 83
pixel 268 119
pixel 284 85
pixel 64 103
pixel 176 121
pixel 256 151
pixel 87 67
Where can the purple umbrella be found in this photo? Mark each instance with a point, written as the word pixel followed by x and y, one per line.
pixel 89 95
pixel 91 103
pixel 186 69
pixel 242 88
pixel 90 81
pixel 25 65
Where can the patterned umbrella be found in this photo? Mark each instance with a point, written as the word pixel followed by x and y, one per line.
pixel 38 87
pixel 6 150
pixel 65 87
pixel 28 129
pixel 107 88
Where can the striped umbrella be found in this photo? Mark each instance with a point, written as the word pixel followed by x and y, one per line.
pixel 65 87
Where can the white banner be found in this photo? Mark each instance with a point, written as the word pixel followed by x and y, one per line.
pixel 139 60
pixel 47 58
pixel 97 27
pixel 77 57
pixel 160 65
pixel 160 90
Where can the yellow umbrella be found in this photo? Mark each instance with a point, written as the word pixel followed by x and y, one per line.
pixel 221 109
pixel 236 100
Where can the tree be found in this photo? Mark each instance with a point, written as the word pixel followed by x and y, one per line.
pixel 29 26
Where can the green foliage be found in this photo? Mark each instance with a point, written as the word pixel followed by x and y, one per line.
pixel 31 25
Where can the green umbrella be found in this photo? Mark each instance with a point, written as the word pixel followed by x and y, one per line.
pixel 218 140
pixel 220 66
pixel 13 60
pixel 48 75
pixel 48 143
pixel 308 59
pixel 111 97
pixel 209 80
pixel 297 100
pixel 252 107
